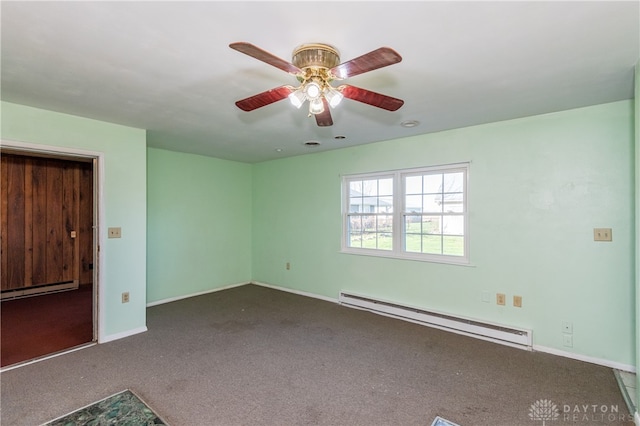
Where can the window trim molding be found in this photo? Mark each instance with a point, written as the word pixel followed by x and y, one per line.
pixel 397 252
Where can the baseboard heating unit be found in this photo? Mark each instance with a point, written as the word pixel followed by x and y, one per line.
pixel 520 338
pixel 38 290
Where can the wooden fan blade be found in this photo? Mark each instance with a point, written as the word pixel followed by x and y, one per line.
pixel 264 56
pixel 373 60
pixel 265 98
pixel 324 118
pixel 370 98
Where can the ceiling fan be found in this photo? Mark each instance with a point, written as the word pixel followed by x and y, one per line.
pixel 316 65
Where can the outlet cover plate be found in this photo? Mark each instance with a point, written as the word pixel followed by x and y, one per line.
pixel 567 340
pixel 517 301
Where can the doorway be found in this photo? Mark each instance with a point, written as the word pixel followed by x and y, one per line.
pixel 48 277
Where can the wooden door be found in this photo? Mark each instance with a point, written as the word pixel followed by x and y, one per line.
pixel 46 222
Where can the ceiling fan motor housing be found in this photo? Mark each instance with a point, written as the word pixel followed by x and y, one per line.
pixel 315 55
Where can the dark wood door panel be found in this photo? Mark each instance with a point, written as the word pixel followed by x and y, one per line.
pixel 85 236
pixel 47 221
pixel 39 220
pixel 15 230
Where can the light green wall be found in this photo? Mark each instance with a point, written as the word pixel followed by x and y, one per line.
pixel 199 224
pixel 538 187
pixel 124 202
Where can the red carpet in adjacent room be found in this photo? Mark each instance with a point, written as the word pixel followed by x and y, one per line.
pixel 40 325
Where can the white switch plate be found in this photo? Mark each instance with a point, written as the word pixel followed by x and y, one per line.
pixel 115 233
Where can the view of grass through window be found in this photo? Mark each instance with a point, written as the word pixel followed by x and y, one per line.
pixel 371 213
pixel 433 213
pixel 428 208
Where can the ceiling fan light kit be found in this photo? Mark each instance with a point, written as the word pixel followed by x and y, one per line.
pixel 316 65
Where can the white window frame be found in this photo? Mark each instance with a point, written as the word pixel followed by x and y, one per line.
pixel 398 238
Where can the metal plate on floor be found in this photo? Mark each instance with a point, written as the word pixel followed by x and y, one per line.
pixel 439 421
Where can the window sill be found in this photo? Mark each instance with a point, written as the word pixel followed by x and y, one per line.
pixel 450 260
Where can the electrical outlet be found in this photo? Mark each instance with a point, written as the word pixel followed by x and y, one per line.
pixel 567 340
pixel 115 233
pixel 288 266
pixel 501 299
pixel 125 297
pixel 486 296
pixel 517 301
pixel 602 234
pixel 567 327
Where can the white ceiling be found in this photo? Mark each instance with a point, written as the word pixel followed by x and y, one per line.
pixel 166 66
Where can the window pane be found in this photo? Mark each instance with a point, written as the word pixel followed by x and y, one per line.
pixel 453 225
pixel 431 225
pixel 413 224
pixel 432 203
pixel 413 243
pixel 355 205
pixel 370 187
pixel 413 203
pixel 453 203
pixel 413 185
pixel 453 246
pixel 355 240
pixel 385 223
pixel 385 187
pixel 369 223
pixel 355 223
pixel 385 204
pixel 453 182
pixel 355 228
pixel 355 188
pixel 385 242
pixel 369 240
pixel 432 244
pixel 369 204
pixel 432 183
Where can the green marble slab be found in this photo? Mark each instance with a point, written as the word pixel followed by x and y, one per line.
pixel 122 409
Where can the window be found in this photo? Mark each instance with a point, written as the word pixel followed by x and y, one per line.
pixel 415 214
pixel 371 213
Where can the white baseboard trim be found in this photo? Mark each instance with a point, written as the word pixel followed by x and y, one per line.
pixel 291 290
pixel 122 335
pixel 585 358
pixel 200 293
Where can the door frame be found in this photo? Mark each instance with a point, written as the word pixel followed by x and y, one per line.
pixel 97 157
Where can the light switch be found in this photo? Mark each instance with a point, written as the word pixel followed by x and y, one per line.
pixel 115 233
pixel 602 234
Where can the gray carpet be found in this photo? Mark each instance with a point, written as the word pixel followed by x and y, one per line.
pixel 257 356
